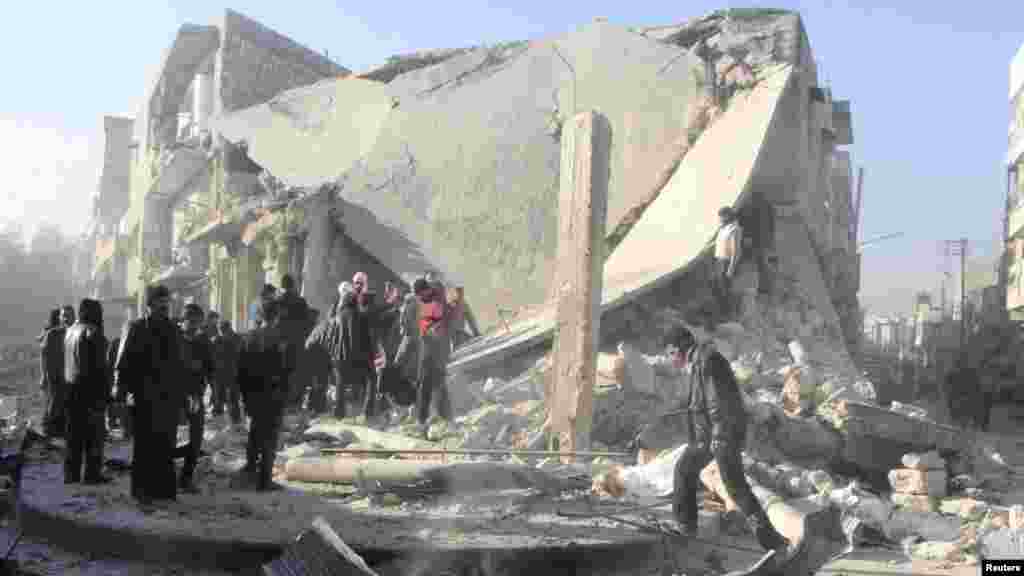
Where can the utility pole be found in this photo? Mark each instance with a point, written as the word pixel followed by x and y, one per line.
pixel 959 248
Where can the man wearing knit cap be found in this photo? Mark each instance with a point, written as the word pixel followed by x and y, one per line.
pixel 150 368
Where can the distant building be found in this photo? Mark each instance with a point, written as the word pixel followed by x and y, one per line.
pixel 1014 254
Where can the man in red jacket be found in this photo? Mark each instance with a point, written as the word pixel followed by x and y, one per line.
pixel 434 351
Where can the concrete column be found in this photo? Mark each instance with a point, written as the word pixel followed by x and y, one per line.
pixel 316 282
pixel 582 209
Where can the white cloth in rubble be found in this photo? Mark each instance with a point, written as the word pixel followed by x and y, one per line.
pixel 650 482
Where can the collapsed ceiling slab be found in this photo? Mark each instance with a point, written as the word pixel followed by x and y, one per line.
pixel 679 224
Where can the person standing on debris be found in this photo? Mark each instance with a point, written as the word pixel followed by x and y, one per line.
pixel 120 413
pixel 150 369
pixel 198 370
pixel 728 249
pixel 395 381
pixel 218 396
pixel 52 367
pixel 85 371
pixel 226 346
pixel 435 347
pixel 351 349
pixel 319 360
pixel 717 427
pixel 294 312
pixel 265 362
pixel 371 317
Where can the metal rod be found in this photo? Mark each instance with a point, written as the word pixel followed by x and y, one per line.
pixel 477 451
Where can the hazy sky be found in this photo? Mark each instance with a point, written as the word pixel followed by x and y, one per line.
pixel 928 83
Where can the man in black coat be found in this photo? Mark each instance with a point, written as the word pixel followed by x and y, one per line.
pixel 85 371
pixel 296 325
pixel 150 368
pixel 265 364
pixel 717 428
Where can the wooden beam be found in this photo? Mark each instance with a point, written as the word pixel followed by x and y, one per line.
pixel 582 209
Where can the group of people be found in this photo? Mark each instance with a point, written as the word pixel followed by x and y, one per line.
pixel 160 372
pixel 388 354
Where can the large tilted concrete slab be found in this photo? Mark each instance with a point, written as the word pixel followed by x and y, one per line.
pixel 466 163
pixel 678 226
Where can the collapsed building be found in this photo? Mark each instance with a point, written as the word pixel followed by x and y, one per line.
pixel 450 160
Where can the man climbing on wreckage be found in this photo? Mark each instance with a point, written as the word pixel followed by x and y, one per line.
pixel 717 430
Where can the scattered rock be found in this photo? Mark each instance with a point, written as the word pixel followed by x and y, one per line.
pixel 926 461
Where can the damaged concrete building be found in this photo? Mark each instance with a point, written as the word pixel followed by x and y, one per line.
pixel 184 179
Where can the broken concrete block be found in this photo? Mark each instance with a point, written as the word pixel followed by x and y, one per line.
pixel 969 509
pixel 611 367
pixel 927 525
pixel 924 461
pixel 912 481
pixel 797 391
pixel 915 502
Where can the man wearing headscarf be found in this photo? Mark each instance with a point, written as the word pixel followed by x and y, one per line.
pixel 150 367
pixel 85 371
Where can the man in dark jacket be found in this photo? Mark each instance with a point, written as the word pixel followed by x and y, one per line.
pixel 52 365
pixel 718 424
pixel 226 346
pixel 199 369
pixel 265 363
pixel 150 368
pixel 218 394
pixel 318 357
pixel 85 371
pixel 295 323
pixel 351 349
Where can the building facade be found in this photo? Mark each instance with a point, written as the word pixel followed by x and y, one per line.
pixel 1014 255
pixel 187 185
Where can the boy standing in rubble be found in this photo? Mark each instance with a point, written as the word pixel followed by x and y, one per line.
pixel 728 248
pixel 717 428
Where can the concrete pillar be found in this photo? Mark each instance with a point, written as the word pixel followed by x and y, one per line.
pixel 316 282
pixel 582 207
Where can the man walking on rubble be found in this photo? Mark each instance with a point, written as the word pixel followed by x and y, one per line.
pixel 728 249
pixel 85 371
pixel 319 359
pixel 717 426
pixel 150 369
pixel 199 369
pixel 265 363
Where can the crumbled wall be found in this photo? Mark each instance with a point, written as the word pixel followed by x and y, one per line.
pixel 256 63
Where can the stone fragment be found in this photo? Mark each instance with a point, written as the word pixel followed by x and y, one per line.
pixel 915 502
pixel 911 481
pixel 926 461
pixel 969 509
